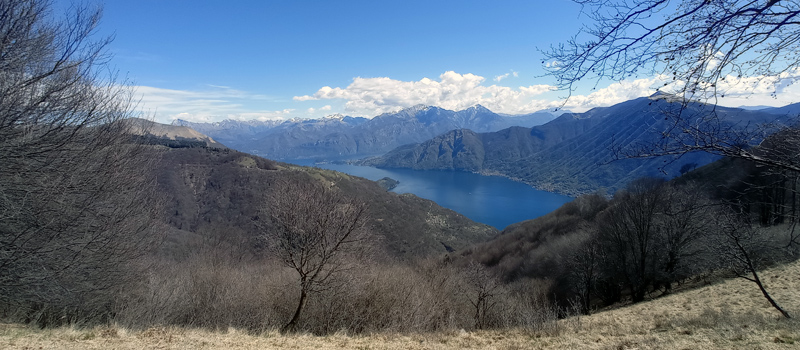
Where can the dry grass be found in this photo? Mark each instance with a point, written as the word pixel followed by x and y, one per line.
pixel 728 315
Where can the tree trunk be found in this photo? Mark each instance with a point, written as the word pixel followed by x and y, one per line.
pixel 766 295
pixel 290 327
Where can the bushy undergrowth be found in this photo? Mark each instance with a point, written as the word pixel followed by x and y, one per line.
pixel 260 295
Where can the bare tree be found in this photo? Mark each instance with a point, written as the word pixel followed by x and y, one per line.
pixel 703 49
pixel 683 224
pixel 745 250
pixel 315 230
pixel 74 203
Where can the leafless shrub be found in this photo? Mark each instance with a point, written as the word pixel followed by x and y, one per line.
pixel 259 296
pixel 484 290
pixel 198 293
pixel 528 307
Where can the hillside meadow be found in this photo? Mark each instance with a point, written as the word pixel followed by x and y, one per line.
pixel 730 314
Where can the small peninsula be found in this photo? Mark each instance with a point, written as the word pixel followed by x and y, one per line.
pixel 388 183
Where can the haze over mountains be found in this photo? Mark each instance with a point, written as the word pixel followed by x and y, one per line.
pixel 339 136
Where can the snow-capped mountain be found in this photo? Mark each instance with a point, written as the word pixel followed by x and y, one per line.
pixel 339 135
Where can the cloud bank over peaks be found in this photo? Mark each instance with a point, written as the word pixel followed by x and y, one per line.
pixel 369 97
pixel 735 91
pixel 615 93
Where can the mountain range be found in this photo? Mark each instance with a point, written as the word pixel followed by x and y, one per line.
pixel 342 136
pixel 574 153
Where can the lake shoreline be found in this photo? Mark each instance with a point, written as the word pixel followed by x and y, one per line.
pixel 492 199
pixel 549 187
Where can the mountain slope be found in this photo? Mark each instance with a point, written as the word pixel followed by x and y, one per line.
pixel 147 128
pixel 791 111
pixel 218 193
pixel 339 136
pixel 572 154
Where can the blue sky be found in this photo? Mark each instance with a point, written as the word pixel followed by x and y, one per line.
pixel 212 60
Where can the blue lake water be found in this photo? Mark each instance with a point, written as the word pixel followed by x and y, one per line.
pixel 491 200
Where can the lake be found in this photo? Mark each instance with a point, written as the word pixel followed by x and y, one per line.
pixel 492 200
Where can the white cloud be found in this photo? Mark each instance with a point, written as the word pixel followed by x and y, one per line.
pixel 734 91
pixel 773 91
pixel 263 115
pixel 313 110
pixel 212 104
pixel 369 97
pixel 613 94
pixel 503 76
pixel 553 64
pixel 306 98
pixel 731 92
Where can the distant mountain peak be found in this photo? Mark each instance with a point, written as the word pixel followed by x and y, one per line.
pixel 661 95
pixel 479 108
pixel 337 116
pixel 416 108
